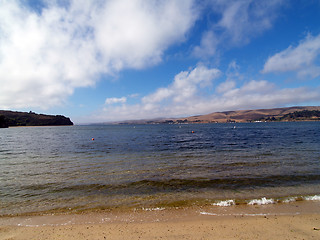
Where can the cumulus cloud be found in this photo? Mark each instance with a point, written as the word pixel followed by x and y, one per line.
pixel 208 45
pixel 238 22
pixel 115 100
pixel 185 85
pixel 186 96
pixel 226 86
pixel 45 54
pixel 173 100
pixel 302 59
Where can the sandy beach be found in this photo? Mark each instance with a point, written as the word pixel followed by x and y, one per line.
pixel 165 224
pixel 281 227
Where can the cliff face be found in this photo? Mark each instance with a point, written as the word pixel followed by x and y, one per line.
pixel 10 119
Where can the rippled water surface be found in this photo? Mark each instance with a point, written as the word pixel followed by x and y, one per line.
pixel 47 168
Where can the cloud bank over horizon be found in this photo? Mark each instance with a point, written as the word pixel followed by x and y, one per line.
pixel 215 56
pixel 187 94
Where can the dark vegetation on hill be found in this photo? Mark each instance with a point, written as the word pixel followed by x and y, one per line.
pixel 304 115
pixel 14 119
pixel 3 122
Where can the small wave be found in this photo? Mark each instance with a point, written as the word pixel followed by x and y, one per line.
pixel 262 201
pixel 225 203
pixel 312 198
pixel 265 201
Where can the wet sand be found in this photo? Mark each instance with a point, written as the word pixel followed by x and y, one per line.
pixel 259 222
pixel 273 227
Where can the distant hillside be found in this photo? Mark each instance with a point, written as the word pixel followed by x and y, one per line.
pixel 274 114
pixel 10 119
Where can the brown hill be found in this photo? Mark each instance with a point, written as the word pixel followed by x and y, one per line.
pixel 243 115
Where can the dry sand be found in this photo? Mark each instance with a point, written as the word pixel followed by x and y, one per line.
pixel 162 224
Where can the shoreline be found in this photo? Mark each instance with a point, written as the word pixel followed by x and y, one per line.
pixel 40 126
pixel 146 214
pixel 281 221
pixel 266 202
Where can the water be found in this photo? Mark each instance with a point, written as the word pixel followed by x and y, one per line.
pixel 63 169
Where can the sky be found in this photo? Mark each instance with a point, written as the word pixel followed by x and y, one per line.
pixel 100 61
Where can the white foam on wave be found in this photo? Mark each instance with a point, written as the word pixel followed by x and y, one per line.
pixel 262 201
pixel 312 198
pixel 225 203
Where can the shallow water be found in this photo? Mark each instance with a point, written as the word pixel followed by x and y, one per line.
pixel 48 168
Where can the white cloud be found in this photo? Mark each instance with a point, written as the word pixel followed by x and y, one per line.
pixel 263 94
pixel 239 22
pixel 301 59
pixel 208 45
pixel 233 75
pixel 176 99
pixel 226 86
pixel 185 86
pixel 115 100
pixel 258 94
pixel 135 32
pixel 45 55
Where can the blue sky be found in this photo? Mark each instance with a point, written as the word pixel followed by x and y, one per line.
pixel 100 61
